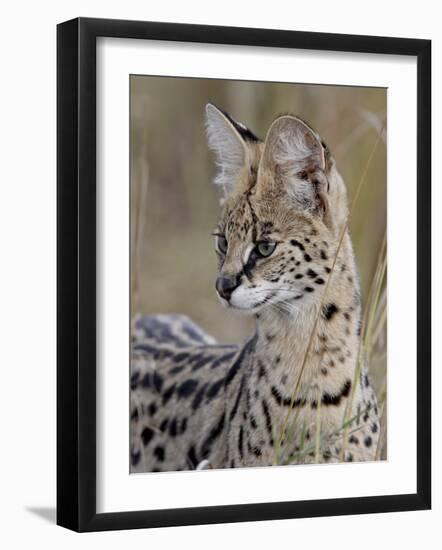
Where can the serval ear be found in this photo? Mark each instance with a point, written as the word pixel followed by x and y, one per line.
pixel 294 162
pixel 229 140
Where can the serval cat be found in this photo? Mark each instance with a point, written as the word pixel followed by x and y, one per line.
pixel 285 257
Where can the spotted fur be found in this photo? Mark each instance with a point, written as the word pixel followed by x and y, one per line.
pixel 196 403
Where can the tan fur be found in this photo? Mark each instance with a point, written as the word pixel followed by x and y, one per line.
pixel 306 299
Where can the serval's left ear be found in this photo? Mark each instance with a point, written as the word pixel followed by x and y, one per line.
pixel 230 140
pixel 294 162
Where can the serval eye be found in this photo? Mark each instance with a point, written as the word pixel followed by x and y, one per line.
pixel 221 244
pixel 265 248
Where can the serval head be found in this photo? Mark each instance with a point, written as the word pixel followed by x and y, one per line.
pixel 283 209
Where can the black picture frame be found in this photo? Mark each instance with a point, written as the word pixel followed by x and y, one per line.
pixel 77 287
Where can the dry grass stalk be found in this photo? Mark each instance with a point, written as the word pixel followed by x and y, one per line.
pixel 367 341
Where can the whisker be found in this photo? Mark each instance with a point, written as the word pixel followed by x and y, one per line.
pixel 270 290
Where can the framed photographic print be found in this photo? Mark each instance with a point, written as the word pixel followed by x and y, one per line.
pixel 243 274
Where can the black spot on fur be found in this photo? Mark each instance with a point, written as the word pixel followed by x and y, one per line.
pixel 233 371
pixel 214 388
pixel 191 457
pixel 164 424
pixel 146 435
pixel 299 276
pixel 323 255
pixel 353 439
pixel 296 243
pixel 368 441
pixel 200 361
pixel 168 393
pixel 183 427
pixel 257 451
pixel 192 334
pixel 197 400
pixel 222 359
pixel 268 420
pixel 346 388
pixel 215 432
pixel 152 409
pixel 241 442
pixel 319 281
pixel 312 274
pixel 334 400
pixel 309 289
pixel 177 370
pixel 146 381
pixel 134 379
pixel 277 395
pixel 261 371
pixel 187 388
pixel 237 400
pixel 173 427
pixel 157 381
pixel 329 310
pixel 307 258
pixel 286 401
pixel 159 453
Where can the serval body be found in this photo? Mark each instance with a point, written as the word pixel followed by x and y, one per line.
pixel 285 257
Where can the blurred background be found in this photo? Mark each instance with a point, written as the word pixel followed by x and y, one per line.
pixel 175 206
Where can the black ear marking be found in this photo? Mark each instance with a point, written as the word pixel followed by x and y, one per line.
pixel 232 144
pixel 243 131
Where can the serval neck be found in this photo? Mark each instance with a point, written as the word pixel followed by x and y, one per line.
pixel 310 349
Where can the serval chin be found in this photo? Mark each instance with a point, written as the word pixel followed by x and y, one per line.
pixel 286 258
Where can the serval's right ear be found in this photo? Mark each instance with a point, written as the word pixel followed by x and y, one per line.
pixel 295 157
pixel 229 140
